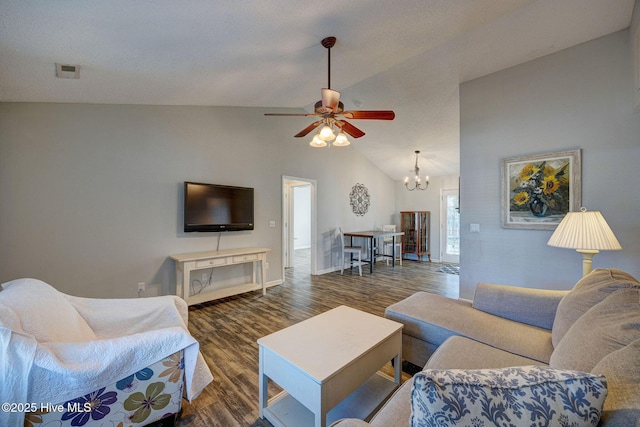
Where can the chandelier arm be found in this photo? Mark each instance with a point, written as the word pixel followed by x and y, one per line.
pixel 417 187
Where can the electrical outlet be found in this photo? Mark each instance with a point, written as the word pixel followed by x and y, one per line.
pixel 266 265
pixel 205 277
pixel 140 287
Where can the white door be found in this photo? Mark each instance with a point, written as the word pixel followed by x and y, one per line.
pixel 450 235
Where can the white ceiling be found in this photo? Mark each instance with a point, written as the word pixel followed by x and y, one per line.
pixel 404 55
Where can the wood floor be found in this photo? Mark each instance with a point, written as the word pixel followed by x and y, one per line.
pixel 228 329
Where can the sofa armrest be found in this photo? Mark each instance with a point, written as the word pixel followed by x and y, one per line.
pixel 111 318
pixel 536 307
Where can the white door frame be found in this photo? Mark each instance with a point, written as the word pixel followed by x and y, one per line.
pixel 288 182
pixel 443 227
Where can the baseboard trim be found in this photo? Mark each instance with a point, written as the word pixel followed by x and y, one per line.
pixel 274 283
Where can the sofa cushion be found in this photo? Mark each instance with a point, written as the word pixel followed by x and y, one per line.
pixel 622 371
pixel 44 312
pixel 350 422
pixel 434 318
pixel 604 328
pixel 464 353
pixel 511 396
pixel 396 411
pixel 590 290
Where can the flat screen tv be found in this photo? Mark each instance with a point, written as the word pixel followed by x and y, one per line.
pixel 211 207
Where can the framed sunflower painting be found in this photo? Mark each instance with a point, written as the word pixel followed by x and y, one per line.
pixel 538 190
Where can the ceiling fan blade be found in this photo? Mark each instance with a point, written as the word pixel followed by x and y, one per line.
pixel 370 115
pixel 308 129
pixel 330 99
pixel 349 128
pixel 291 115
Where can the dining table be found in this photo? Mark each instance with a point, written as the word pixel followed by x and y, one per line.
pixel 372 235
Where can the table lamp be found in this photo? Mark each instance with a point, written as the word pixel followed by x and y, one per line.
pixel 587 233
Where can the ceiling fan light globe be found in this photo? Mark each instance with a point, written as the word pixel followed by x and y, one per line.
pixel 341 140
pixel 316 142
pixel 326 134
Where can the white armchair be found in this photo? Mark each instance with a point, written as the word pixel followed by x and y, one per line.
pixel 94 361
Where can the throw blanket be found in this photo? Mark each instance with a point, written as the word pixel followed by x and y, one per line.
pixel 130 334
pixel 17 352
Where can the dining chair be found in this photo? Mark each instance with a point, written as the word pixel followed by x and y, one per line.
pixel 388 243
pixel 350 250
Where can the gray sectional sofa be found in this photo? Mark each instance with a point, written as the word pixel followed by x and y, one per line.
pixel 593 329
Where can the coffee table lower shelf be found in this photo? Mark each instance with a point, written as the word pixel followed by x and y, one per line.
pixel 284 410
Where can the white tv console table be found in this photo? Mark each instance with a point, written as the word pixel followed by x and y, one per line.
pixel 186 263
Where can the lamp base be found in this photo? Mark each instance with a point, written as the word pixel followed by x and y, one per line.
pixel 587 260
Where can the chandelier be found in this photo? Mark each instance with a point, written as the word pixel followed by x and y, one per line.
pixel 417 184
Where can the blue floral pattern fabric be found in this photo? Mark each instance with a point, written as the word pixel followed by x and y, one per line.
pixel 150 394
pixel 519 396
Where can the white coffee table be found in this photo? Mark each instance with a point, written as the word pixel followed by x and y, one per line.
pixel 328 367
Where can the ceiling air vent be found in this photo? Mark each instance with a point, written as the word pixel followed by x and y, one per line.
pixel 64 71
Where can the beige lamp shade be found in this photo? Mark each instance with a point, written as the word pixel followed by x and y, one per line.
pixel 584 230
pixel 587 232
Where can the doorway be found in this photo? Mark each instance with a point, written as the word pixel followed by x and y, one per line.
pixel 450 227
pixel 299 225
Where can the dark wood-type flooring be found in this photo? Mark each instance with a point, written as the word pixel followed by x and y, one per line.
pixel 228 329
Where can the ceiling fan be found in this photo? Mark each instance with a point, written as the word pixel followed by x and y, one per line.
pixel 332 114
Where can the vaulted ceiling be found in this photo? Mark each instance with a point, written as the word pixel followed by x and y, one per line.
pixel 405 55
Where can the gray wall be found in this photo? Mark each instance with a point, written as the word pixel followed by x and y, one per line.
pixel 635 46
pixel 582 97
pixel 91 195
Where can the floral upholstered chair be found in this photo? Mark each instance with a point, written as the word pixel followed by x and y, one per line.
pixel 149 395
pixel 70 361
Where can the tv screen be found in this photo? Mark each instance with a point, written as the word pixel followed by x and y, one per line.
pixel 211 207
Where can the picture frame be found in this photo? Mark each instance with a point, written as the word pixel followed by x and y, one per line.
pixel 538 190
